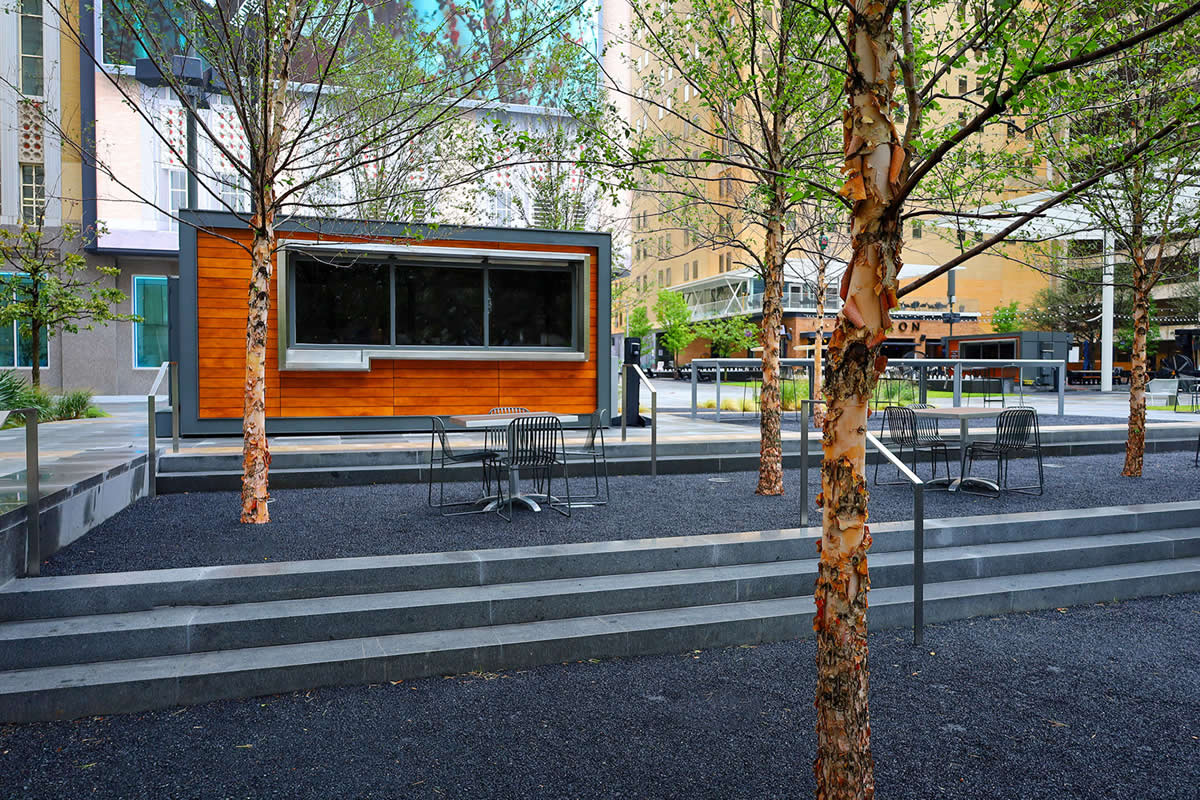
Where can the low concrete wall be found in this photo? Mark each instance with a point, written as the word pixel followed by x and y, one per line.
pixel 69 512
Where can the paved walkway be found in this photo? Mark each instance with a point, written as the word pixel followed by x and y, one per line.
pixel 70 450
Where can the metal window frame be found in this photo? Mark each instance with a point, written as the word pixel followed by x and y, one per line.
pixel 298 356
pixel 137 325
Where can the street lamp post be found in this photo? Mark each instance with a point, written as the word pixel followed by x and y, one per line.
pixel 190 74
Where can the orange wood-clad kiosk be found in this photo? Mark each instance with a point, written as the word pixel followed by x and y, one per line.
pixel 374 327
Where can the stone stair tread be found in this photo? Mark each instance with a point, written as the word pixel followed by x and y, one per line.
pixel 191 615
pixel 291 655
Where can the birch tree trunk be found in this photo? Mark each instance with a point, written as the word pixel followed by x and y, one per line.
pixel 256 456
pixel 1135 441
pixel 770 402
pixel 874 166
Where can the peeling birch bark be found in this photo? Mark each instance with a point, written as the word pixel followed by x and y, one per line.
pixel 1135 442
pixel 770 401
pixel 256 457
pixel 875 165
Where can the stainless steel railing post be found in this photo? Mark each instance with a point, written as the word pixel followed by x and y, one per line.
pixel 918 563
pixel 33 496
pixel 918 536
pixel 624 410
pixel 804 461
pixel 151 448
pixel 174 407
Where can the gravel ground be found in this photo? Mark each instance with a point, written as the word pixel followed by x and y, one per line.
pixel 202 528
pixel 1091 702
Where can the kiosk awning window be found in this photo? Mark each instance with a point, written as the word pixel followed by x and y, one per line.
pixel 456 305
pixel 342 304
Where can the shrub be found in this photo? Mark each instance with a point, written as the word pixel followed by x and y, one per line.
pixel 73 405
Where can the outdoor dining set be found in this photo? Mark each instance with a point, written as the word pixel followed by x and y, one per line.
pixel 518 443
pixel 913 430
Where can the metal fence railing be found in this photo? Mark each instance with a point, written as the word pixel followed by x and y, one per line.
pixel 171 368
pixel 653 412
pixel 920 368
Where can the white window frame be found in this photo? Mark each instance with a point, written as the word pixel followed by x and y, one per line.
pixel 136 310
pixel 34 205
pixel 40 55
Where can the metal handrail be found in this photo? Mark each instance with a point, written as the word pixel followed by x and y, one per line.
pixel 918 536
pixel 922 364
pixel 33 493
pixel 918 516
pixel 172 368
pixel 653 413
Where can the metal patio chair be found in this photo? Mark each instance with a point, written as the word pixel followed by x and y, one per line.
pixel 494 438
pixel 593 448
pixel 535 445
pixel 928 435
pixel 900 424
pixel 1017 433
pixel 1196 463
pixel 451 457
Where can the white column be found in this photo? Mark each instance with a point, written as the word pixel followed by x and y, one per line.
pixel 1106 316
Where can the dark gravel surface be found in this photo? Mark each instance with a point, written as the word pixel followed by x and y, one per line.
pixel 1091 702
pixel 196 529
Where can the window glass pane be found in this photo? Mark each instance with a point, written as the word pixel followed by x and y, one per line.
pixel 127 26
pixel 150 337
pixel 529 308
pixel 25 342
pixel 25 350
pixel 439 306
pixel 7 352
pixel 338 304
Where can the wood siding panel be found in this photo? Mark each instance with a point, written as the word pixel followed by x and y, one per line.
pixel 392 387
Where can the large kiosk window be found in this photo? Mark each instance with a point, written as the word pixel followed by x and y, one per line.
pixel 385 306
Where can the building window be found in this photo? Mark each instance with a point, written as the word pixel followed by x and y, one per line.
pixel 16 349
pixel 31 48
pixel 176 197
pixel 962 84
pixel 33 193
pixel 233 196
pixel 660 278
pixel 150 336
pixel 917 227
pixel 378 304
pixel 668 276
pixel 686 271
pixel 695 269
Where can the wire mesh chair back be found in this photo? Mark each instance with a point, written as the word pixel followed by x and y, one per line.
pixel 494 437
pixel 535 441
pixel 439 436
pixel 901 425
pixel 927 427
pixel 1015 428
pixel 598 420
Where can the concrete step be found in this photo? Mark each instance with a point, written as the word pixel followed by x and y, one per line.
pixel 111 593
pixel 184 629
pixel 70 691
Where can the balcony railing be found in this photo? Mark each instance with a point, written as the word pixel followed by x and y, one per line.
pixel 752 304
